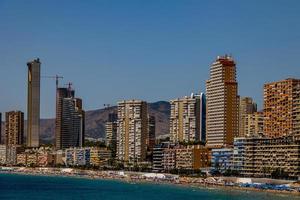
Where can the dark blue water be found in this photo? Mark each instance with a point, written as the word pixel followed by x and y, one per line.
pixel 62 188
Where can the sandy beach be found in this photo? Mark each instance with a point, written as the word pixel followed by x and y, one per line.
pixel 140 177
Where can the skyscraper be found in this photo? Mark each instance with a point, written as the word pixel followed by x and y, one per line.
pixel 33 104
pixel 132 131
pixel 246 106
pixel 1 136
pixel 14 128
pixel 282 108
pixel 70 120
pixel 111 132
pixel 151 133
pixel 187 120
pixel 202 117
pixel 222 102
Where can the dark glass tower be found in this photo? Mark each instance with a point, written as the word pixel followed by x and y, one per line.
pixel 70 120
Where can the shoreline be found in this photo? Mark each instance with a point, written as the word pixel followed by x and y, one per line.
pixel 131 177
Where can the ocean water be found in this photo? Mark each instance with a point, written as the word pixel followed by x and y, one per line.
pixel 65 188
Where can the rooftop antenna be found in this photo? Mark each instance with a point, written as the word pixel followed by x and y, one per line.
pixel 69 88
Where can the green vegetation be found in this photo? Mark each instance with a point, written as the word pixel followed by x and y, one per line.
pixel 279 174
pixel 189 172
pixel 192 143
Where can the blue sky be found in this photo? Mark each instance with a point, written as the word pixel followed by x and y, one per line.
pixel 150 50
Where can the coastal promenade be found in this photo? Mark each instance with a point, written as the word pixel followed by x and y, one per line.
pixel 231 183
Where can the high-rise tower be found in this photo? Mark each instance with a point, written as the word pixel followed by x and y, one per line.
pixel 151 132
pixel 111 127
pixel 1 136
pixel 282 108
pixel 187 120
pixel 132 131
pixel 222 102
pixel 14 128
pixel 70 120
pixel 33 104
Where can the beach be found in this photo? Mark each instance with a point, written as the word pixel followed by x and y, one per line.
pixel 153 178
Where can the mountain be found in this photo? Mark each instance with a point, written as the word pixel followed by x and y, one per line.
pixel 95 122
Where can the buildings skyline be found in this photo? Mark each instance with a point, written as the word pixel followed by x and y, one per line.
pixel 253 107
pixel 217 131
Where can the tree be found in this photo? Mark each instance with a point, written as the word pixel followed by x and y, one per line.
pixel 279 174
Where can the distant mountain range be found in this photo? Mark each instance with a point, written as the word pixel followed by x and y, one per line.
pixel 95 122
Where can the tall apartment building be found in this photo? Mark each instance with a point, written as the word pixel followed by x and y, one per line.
pixel 61 93
pixel 151 133
pixel 132 131
pixel 1 136
pixel 14 128
pixel 111 127
pixel 282 108
pixel 254 124
pixel 33 103
pixel 70 120
pixel 222 102
pixel 246 106
pixel 187 120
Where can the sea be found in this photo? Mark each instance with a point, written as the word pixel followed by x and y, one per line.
pixel 14 186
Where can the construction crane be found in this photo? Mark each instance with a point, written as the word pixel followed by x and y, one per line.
pixel 106 106
pixel 56 77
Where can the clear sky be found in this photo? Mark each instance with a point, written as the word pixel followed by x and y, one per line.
pixel 150 50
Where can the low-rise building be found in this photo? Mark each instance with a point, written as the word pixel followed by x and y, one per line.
pixel 222 159
pixel 254 124
pixel 57 158
pixel 12 152
pixel 169 159
pixel 42 159
pixel 262 157
pixel 158 156
pixel 3 154
pixel 95 157
pixel 105 155
pixel 239 153
pixel 192 157
pixel 31 159
pixel 21 159
pixel 77 156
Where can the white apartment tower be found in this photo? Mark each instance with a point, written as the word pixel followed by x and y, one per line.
pixel 132 131
pixel 222 103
